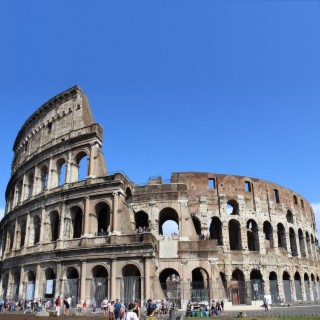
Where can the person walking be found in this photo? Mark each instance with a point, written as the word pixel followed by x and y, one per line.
pixel 266 304
pixel 131 315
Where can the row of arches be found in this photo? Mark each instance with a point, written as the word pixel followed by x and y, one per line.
pixel 49 176
pixel 51 228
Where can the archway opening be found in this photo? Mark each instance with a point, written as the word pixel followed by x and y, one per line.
pixel 103 217
pixel 99 284
pixel 170 283
pixel 142 221
pixel 168 222
pixel 131 283
pixel 216 230
pixel 235 235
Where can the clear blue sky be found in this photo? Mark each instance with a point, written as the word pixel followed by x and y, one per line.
pixel 218 86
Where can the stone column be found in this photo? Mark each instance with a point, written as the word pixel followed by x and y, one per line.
pixel 24 191
pixel 293 290
pixel 183 214
pixel 51 183
pixel 86 216
pixel 16 235
pixel 92 159
pixel 115 212
pixel 303 289
pixel 42 228
pixel 26 241
pixel 21 292
pixel 113 279
pixel 59 279
pixel 262 248
pixel 37 289
pixel 68 167
pixel 146 278
pixel 83 293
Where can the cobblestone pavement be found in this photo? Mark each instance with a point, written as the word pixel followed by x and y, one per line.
pixel 294 310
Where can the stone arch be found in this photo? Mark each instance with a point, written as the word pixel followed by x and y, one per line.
pixel 44 177
pixel 76 222
pixel 301 243
pixel 36 229
pixel 281 233
pixel 61 171
pixel 55 225
pixel 71 284
pixel 31 280
pixel 257 285
pixel 165 215
pixel 235 242
pixel 297 284
pixel 5 285
pixel 293 242
pixel 199 285
pixel 268 235
pixel 102 210
pixel 16 285
pixel 232 207
pixel 286 287
pixel 142 220
pixel 19 192
pixel 170 283
pixel 313 249
pixel 252 235
pixel 308 243
pixel 30 186
pixel 131 283
pixel 307 286
pixel 99 283
pixel 237 289
pixel 216 230
pixel 50 282
pixel 289 216
pixel 128 194
pixel 22 227
pixel 82 165
pixel 196 224
pixel 273 286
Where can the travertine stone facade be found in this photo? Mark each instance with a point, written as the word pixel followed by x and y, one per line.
pixel 95 235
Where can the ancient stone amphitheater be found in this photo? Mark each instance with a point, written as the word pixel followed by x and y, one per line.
pixel 99 234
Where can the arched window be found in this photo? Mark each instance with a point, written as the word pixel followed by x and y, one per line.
pixel 196 224
pixel 200 285
pixel 44 178
pixel 36 229
pixel 83 165
pixel 286 287
pixel 301 243
pixel 268 235
pixel 273 283
pixel 297 284
pixel 131 278
pixel 293 242
pixel 308 244
pixel 61 170
pixel 142 221
pixel 99 284
pixel 54 222
pixel 103 217
pixel 307 287
pixel 289 216
pixel 252 235
pixel 71 284
pixel 168 222
pixel 281 232
pixel 19 193
pixel 235 235
pixel 216 230
pixel 16 285
pixel 128 194
pixel 257 289
pixel 30 185
pixel 237 288
pixel 232 207
pixel 76 218
pixel 22 233
pixel 50 283
pixel 170 283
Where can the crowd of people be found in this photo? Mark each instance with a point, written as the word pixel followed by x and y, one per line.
pixel 216 308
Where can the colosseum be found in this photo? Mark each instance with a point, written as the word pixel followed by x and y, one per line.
pixel 94 235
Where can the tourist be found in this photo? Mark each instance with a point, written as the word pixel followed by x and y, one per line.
pixel 58 306
pixel 66 306
pixel 84 306
pixel 131 315
pixel 104 306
